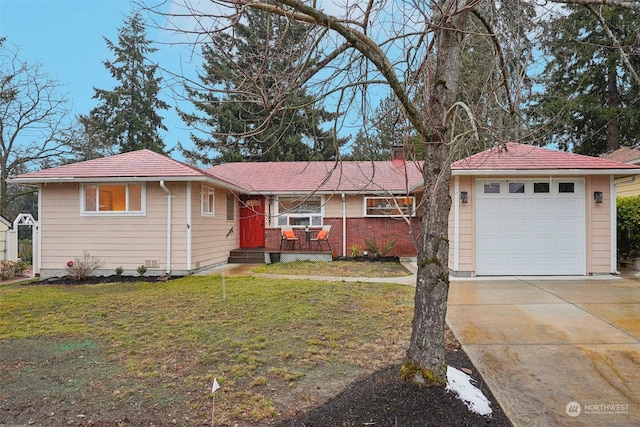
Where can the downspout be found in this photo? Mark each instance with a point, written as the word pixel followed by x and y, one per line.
pixel 456 224
pixel 38 267
pixel 169 197
pixel 189 219
pixel 344 225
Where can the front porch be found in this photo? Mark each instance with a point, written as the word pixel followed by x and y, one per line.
pixel 268 256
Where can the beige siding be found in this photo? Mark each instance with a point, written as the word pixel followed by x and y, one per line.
pixel 464 245
pixel 599 226
pixel 131 241
pixel 212 237
pixel 127 241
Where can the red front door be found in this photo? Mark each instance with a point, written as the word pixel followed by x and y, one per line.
pixel 252 221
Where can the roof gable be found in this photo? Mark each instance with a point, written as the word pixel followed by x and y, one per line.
pixel 134 164
pixel 514 156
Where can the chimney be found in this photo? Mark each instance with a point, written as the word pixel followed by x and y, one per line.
pixel 397 155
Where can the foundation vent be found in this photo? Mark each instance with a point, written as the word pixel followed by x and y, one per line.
pixel 151 263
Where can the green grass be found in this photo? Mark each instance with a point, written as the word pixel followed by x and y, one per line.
pixel 163 343
pixel 335 269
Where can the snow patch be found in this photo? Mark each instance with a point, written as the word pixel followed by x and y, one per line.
pixel 462 384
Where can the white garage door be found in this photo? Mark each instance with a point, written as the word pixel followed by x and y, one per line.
pixel 530 227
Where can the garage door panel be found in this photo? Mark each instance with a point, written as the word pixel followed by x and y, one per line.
pixel 516 226
pixel 494 244
pixel 530 233
pixel 491 226
pixel 491 208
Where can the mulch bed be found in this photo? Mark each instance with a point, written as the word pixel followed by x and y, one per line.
pixel 383 399
pixel 92 280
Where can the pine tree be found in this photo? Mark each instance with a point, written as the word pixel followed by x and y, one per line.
pixel 244 104
pixel 127 116
pixel 590 102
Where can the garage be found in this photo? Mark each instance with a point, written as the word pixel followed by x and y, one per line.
pixel 530 226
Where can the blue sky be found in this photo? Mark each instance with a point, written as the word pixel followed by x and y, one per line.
pixel 67 38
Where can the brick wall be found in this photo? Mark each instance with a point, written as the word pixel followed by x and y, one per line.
pixel 383 230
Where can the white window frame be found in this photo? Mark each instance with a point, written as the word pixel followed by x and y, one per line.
pixel 284 218
pixel 385 206
pixel 126 212
pixel 207 201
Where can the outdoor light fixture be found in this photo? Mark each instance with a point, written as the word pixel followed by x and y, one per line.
pixel 598 196
pixel 464 197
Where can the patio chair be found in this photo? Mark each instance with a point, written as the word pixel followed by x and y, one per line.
pixel 322 236
pixel 288 235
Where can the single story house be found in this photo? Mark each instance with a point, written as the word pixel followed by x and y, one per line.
pixel 143 208
pixel 626 186
pixel 523 210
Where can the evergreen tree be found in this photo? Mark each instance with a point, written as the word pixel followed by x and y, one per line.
pixel 244 105
pixel 590 102
pixel 127 116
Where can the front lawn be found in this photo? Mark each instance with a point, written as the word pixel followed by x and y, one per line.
pixel 336 269
pixel 147 353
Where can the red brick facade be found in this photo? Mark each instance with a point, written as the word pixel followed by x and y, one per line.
pixel 382 230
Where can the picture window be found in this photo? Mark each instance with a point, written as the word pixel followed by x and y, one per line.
pixel 112 199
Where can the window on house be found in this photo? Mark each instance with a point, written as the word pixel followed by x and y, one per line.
pixel 516 187
pixel 300 211
pixel 389 206
pixel 208 201
pixel 492 188
pixel 540 187
pixel 231 206
pixel 107 199
pixel 566 187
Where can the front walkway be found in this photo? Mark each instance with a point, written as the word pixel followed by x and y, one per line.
pixel 554 352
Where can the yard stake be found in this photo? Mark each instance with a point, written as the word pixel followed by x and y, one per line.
pixel 213 401
pixel 224 288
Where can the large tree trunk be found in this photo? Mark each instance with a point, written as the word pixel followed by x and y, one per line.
pixel 425 363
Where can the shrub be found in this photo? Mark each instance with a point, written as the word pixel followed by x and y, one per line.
pixel 7 270
pixel 119 271
pixel 81 268
pixel 374 248
pixel 628 213
pixel 355 251
pixel 141 270
pixel 20 267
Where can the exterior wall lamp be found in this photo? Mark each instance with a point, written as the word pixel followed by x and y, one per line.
pixel 598 196
pixel 464 197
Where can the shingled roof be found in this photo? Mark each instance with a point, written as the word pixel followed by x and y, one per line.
pixel 624 154
pixel 521 157
pixel 290 177
pixel 135 164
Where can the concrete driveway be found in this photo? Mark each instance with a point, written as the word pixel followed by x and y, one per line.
pixel 554 351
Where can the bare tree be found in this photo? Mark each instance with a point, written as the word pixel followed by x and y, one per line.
pixel 33 120
pixel 412 50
